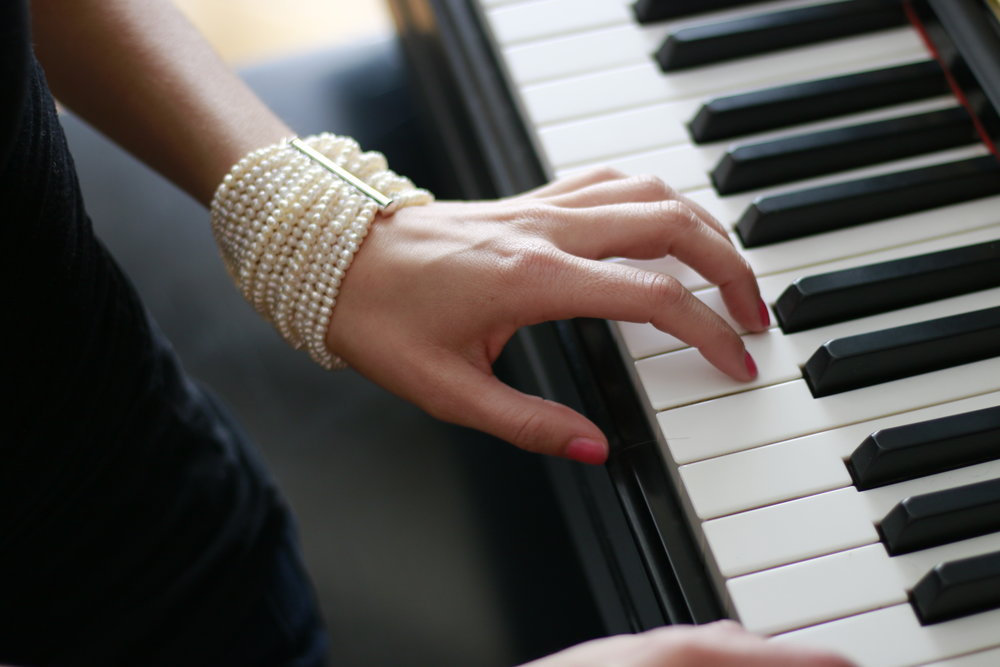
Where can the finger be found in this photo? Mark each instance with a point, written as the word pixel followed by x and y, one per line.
pixel 474 397
pixel 656 229
pixel 616 191
pixel 704 214
pixel 727 644
pixel 633 189
pixel 587 288
pixel 572 182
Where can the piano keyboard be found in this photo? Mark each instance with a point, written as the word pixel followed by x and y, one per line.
pixel 797 547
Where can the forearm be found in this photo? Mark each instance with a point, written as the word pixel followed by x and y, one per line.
pixel 142 74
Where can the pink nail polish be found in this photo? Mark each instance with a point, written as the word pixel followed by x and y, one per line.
pixel 586 450
pixel 765 316
pixel 751 365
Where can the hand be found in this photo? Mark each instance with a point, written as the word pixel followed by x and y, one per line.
pixel 722 644
pixel 436 292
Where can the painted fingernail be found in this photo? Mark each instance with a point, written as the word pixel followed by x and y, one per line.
pixel 751 365
pixel 765 316
pixel 586 450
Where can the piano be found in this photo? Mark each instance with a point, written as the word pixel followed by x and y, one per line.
pixel 849 496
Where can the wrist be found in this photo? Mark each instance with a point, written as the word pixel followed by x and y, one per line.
pixel 288 229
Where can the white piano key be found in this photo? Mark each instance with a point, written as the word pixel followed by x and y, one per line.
pixel 824 523
pixel 781 412
pixel 630 131
pixel 987 658
pixel 796 468
pixel 591 51
pixel 522 22
pixel 498 3
pixel 789 532
pixel 686 166
pixel 605 48
pixel 683 376
pixel 654 130
pixel 488 4
pixel 893 637
pixel 643 83
pixel 817 590
pixel 645 340
pixel 654 140
pixel 840 584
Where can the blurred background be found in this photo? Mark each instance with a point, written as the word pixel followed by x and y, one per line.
pixel 249 31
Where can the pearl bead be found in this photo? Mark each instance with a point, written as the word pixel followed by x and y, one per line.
pixel 289 230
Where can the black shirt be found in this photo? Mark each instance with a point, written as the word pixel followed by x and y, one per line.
pixel 135 525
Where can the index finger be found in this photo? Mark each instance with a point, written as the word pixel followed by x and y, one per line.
pixel 651 229
pixel 589 288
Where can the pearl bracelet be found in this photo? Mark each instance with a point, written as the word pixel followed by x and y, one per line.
pixel 289 219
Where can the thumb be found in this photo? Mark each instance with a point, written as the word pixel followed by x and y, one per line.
pixel 478 399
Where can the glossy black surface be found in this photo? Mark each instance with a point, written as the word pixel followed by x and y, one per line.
pixel 731 116
pixel 941 517
pixel 798 156
pixel 906 452
pixel 966 38
pixel 958 588
pixel 890 354
pixel 820 209
pixel 650 11
pixel 837 296
pixel 772 31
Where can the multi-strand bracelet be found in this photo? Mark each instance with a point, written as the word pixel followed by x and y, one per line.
pixel 289 219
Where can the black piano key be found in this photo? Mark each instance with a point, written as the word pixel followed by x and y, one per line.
pixel 941 517
pixel 958 588
pixel 773 31
pixel 782 106
pixel 837 296
pixel 915 450
pixel 791 158
pixel 650 11
pixel 871 358
pixel 813 210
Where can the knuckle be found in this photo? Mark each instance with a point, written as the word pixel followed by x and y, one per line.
pixel 529 429
pixel 692 652
pixel 736 268
pixel 744 268
pixel 533 214
pixel 528 260
pixel 651 186
pixel 660 290
pixel 678 214
pixel 605 173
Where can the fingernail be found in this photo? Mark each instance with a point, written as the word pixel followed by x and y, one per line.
pixel 751 365
pixel 765 316
pixel 586 450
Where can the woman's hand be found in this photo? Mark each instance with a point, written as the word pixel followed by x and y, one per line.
pixel 436 292
pixel 722 644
